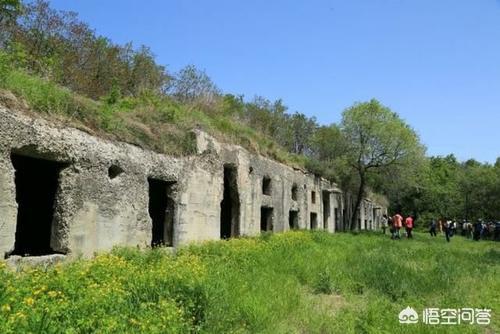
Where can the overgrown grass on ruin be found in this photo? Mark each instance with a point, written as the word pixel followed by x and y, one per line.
pixel 150 121
pixel 298 282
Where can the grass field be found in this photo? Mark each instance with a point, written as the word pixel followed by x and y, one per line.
pixel 297 282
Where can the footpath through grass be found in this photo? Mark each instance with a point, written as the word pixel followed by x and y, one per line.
pixel 297 282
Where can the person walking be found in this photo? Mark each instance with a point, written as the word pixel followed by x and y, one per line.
pixel 397 222
pixel 446 229
pixel 409 226
pixel 392 230
pixel 478 226
pixel 497 231
pixel 384 222
pixel 453 227
pixel 432 229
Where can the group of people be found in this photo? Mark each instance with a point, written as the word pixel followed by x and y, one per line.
pixel 396 223
pixel 476 231
pixel 448 227
pixel 481 230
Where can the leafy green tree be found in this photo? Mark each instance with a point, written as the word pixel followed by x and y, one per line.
pixel 9 9
pixel 193 85
pixel 233 106
pixel 480 187
pixel 302 131
pixel 145 74
pixel 377 139
pixel 328 143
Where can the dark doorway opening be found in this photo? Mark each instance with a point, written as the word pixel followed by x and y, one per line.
pixel 337 220
pixel 314 221
pixel 230 205
pixel 313 197
pixel 266 219
pixel 326 209
pixel 161 211
pixel 293 220
pixel 36 181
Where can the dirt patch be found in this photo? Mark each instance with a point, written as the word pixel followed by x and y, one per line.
pixel 325 303
pixel 10 101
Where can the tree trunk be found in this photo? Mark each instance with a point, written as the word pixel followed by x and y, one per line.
pixel 359 198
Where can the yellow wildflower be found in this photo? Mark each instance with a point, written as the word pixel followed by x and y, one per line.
pixel 5 308
pixel 20 315
pixel 29 301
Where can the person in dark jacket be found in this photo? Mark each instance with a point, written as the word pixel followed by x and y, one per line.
pixel 478 227
pixel 446 229
pixel 497 231
pixel 432 229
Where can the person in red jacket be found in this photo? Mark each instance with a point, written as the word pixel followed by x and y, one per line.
pixel 409 227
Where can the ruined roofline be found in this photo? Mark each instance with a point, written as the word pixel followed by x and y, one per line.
pixel 206 144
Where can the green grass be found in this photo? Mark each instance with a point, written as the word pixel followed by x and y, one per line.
pixel 297 282
pixel 150 121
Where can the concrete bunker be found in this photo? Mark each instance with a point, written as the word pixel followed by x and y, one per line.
pixel 314 220
pixel 230 204
pixel 266 185
pixel 326 209
pixel 293 219
pixel 161 210
pixel 266 219
pixel 37 183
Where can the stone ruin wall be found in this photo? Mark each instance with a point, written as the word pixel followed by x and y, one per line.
pixel 103 191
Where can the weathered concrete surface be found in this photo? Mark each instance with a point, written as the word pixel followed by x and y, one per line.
pixel 19 263
pixel 95 211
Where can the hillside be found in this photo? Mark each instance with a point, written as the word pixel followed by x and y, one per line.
pixel 150 121
pixel 297 282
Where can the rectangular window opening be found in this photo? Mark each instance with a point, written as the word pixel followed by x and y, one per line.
pixel 266 185
pixel 295 190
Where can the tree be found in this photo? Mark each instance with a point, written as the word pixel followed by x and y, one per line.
pixel 192 84
pixel 145 74
pixel 376 139
pixel 303 129
pixel 9 9
pixel 328 143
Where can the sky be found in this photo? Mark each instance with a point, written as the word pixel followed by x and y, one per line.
pixel 435 63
